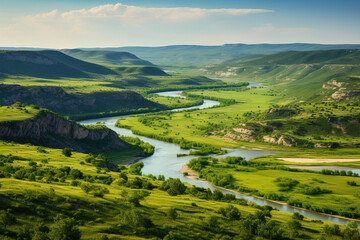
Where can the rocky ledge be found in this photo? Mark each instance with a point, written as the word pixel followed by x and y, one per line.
pixel 51 130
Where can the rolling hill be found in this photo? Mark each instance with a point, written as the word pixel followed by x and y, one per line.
pixel 47 64
pixel 198 56
pixel 326 74
pixel 51 64
pixel 340 56
pixel 107 57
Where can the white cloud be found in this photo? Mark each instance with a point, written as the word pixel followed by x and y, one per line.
pixel 122 11
pixel 119 24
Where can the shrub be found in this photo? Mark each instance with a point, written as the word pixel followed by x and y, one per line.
pixel 230 212
pixel 67 152
pixel 172 213
pixel 297 216
pixel 65 229
pixel 173 187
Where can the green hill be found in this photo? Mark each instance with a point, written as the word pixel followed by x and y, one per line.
pixel 342 56
pixel 47 64
pixel 326 74
pixel 197 55
pixel 107 57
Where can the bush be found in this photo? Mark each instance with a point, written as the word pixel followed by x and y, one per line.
pixel 67 152
pixel 230 212
pixel 172 214
pixel 173 187
pixel 65 229
pixel 297 216
pixel 135 168
pixel 351 183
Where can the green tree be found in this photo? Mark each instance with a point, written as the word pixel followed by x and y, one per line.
pixel 65 229
pixel 135 168
pixel 67 152
pixel 172 213
pixel 297 216
pixel 7 218
pixel 352 224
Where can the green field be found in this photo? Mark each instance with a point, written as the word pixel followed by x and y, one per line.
pixel 195 125
pixel 313 190
pixel 17 113
pixel 38 199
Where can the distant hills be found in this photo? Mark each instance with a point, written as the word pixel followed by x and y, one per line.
pixel 326 74
pixel 191 55
pixel 342 56
pixel 107 57
pixel 47 64
pixel 197 55
pixel 54 64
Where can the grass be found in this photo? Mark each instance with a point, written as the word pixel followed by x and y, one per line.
pixel 191 126
pixel 103 212
pixel 342 198
pixel 175 102
pixel 12 113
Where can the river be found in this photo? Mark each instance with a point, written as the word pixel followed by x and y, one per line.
pixel 164 161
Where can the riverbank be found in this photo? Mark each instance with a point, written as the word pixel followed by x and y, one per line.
pixel 195 175
pixel 319 160
pixel 165 162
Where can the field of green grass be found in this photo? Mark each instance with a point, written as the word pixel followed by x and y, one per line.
pixel 103 205
pixel 17 113
pixel 197 126
pixel 313 190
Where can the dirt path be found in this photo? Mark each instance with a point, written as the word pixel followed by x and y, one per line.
pixel 319 160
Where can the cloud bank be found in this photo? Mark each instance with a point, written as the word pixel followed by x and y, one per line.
pixel 120 24
pixel 122 11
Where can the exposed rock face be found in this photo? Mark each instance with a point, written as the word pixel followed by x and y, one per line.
pixel 281 141
pixel 343 94
pixel 51 130
pixel 57 100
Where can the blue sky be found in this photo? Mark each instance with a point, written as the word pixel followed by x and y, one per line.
pixel 101 23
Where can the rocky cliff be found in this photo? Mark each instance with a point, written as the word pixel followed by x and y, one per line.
pixel 59 101
pixel 50 130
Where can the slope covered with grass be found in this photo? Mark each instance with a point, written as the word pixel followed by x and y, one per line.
pixel 46 195
pixel 107 57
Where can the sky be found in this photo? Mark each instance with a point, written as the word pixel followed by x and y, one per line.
pixel 109 23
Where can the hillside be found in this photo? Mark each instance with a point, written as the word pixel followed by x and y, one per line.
pixel 50 130
pixel 197 55
pixel 107 57
pixel 342 56
pixel 47 64
pixel 326 75
pixel 45 195
pixel 57 100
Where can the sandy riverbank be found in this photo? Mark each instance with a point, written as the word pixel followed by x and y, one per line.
pixel 191 174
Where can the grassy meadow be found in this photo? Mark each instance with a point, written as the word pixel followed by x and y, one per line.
pixel 99 214
pixel 316 191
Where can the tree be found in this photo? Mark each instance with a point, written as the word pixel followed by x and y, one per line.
pixel 135 168
pixel 7 218
pixel 65 229
pixel 297 216
pixel 211 223
pixel 67 152
pixel 172 214
pixel 135 197
pixel 230 212
pixel 86 187
pixel 352 224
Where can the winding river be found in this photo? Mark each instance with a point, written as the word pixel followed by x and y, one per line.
pixel 165 161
